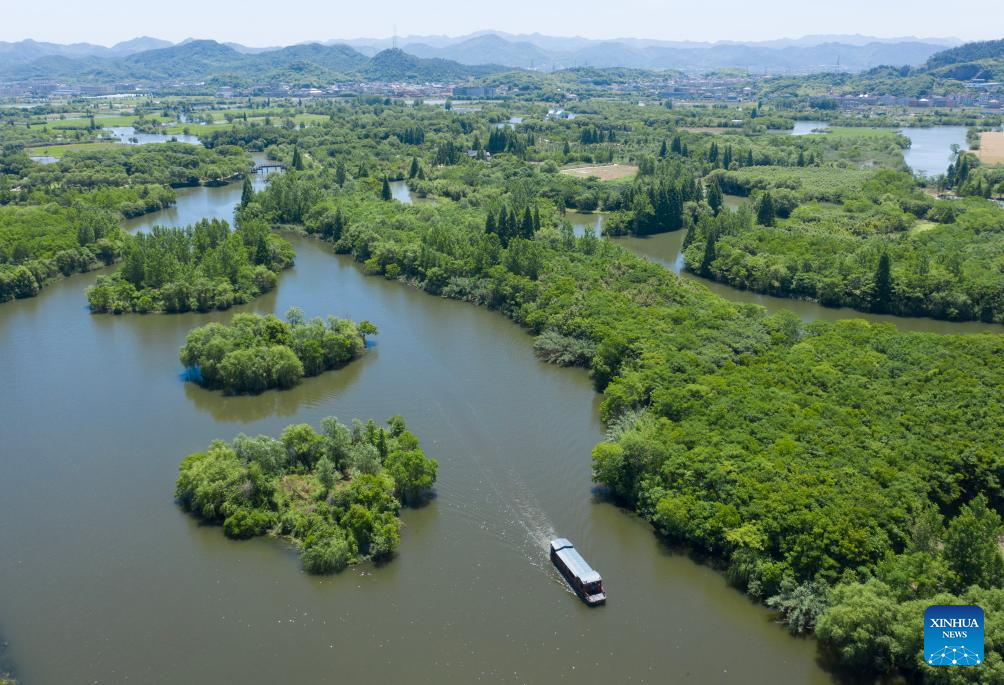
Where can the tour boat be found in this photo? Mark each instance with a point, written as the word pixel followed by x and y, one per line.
pixel 580 575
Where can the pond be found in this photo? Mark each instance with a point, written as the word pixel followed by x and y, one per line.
pixel 129 136
pixel 114 582
pixel 804 128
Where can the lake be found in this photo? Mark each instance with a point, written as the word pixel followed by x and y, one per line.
pixel 111 581
pixel 930 150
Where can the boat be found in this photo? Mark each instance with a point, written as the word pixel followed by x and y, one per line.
pixel 580 575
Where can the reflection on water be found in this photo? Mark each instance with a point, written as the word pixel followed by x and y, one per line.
pixel 804 128
pixel 310 392
pixel 580 221
pixel 930 150
pixel 129 136
pixel 400 191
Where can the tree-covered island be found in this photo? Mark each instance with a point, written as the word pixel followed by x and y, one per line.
pixel 254 353
pixel 336 493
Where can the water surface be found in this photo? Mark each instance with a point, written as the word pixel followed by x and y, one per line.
pixel 129 136
pixel 930 150
pixel 108 581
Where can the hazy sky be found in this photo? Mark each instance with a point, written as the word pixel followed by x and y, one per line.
pixel 266 22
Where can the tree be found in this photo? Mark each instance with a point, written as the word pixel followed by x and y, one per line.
pixel 765 210
pixel 340 174
pixel 715 197
pixel 247 192
pixel 413 473
pixel 882 292
pixel 415 168
pixel 327 475
pixel 971 545
pixel 662 150
pixel 385 193
pixel 709 255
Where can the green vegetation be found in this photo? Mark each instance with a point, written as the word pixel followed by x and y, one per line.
pixel 870 252
pixel 336 494
pixel 832 469
pixel 59 219
pixel 799 457
pixel 165 164
pixel 254 353
pixel 199 268
pixel 40 242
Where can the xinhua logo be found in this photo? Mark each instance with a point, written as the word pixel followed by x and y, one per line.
pixel 953 635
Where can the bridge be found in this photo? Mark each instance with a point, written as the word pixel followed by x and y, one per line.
pixel 267 166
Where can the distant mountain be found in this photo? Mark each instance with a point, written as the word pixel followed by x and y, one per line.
pixel 395 64
pixel 207 60
pixel 438 58
pixel 486 49
pixel 984 60
pixel 129 47
pixel 29 50
pixel 495 49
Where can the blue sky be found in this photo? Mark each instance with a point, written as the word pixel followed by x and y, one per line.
pixel 264 22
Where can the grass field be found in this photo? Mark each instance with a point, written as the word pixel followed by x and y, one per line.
pixel 992 147
pixel 861 132
pixel 60 150
pixel 605 172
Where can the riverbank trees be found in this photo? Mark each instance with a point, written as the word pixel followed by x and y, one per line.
pixel 254 353
pixel 199 268
pixel 871 253
pixel 336 493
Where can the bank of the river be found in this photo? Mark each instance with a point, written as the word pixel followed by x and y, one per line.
pixel 666 249
pixel 134 589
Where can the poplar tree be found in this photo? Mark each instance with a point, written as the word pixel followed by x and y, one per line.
pixel 765 212
pixel 882 294
pixel 247 193
pixel 385 193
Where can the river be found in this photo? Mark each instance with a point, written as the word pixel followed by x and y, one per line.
pixel 108 581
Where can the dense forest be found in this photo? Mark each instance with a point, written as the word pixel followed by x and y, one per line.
pixel 62 218
pixel 337 493
pixel 887 247
pixel 199 268
pixel 253 353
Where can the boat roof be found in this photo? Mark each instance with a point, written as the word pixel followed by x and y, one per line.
pixel 574 561
pixel 560 543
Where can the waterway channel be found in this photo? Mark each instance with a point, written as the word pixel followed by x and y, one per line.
pixel 107 580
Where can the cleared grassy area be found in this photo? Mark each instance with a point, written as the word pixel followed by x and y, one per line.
pixel 861 132
pixel 604 172
pixel 60 150
pixel 923 226
pixel 991 147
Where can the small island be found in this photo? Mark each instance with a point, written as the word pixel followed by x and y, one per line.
pixel 337 494
pixel 198 268
pixel 254 353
